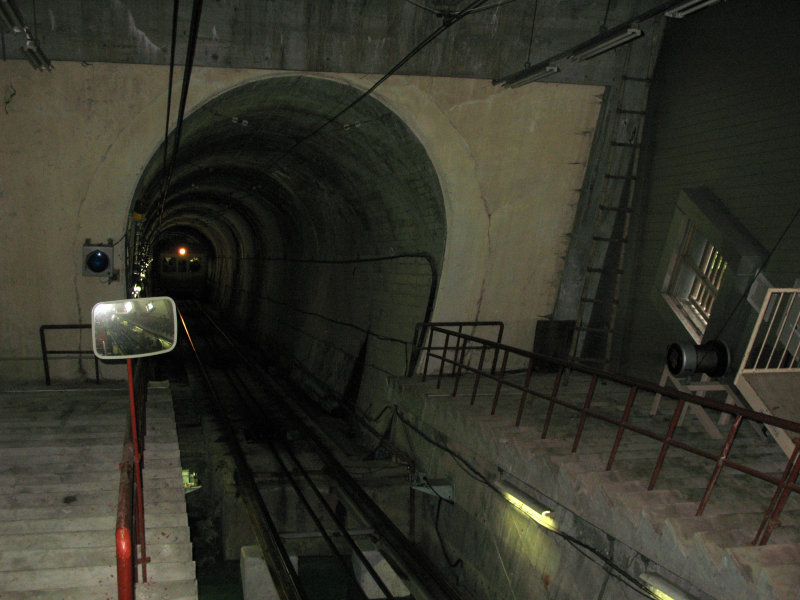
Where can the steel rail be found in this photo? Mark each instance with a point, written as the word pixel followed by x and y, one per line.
pixel 258 413
pixel 418 572
pixel 280 567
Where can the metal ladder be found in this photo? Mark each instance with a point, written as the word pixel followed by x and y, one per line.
pixel 597 314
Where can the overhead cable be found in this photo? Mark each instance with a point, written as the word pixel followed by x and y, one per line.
pixel 447 22
pixel 197 9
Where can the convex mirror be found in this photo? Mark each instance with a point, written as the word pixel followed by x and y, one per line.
pixel 134 328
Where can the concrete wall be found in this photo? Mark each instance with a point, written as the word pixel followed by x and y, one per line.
pixel 75 142
pixel 724 116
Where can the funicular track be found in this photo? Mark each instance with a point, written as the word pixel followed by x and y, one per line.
pixel 262 419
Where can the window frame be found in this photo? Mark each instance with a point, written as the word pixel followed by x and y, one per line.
pixel 700 214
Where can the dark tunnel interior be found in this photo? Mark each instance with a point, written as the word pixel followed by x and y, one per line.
pixel 320 238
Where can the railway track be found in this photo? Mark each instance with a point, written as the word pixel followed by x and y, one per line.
pixel 299 473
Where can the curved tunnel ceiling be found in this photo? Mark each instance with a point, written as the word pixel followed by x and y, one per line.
pixel 363 185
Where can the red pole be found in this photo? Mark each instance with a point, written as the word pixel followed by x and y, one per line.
pixel 138 473
pixel 124 564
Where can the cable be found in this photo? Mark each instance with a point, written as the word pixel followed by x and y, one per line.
pixel 446 24
pixel 533 27
pixel 590 552
pixel 171 71
pixel 197 9
pixel 458 562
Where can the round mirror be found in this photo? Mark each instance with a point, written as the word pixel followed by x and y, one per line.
pixel 134 328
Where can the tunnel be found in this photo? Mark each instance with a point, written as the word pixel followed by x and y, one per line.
pixel 323 238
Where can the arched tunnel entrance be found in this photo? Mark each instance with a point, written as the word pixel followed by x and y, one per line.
pixel 324 244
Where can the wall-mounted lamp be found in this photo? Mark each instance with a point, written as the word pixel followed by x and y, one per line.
pixel 11 17
pixel 663 589
pixel 35 56
pixel 604 45
pixel 545 71
pixel 687 8
pixel 528 506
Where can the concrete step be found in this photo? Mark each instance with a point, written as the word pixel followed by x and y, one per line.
pixel 783 581
pixel 32 560
pixel 100 500
pixel 71 511
pixel 153 471
pixel 99 538
pixel 77 450
pixel 154 519
pixel 102 481
pixel 167 590
pixel 106 590
pixel 70 577
pixel 16 474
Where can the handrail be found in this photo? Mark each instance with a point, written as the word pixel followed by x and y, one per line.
pixel 423 330
pixel 455 355
pixel 126 533
pixel 46 352
pixel 774 345
pixel 130 504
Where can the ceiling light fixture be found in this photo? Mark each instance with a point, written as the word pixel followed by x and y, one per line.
pixel 531 76
pixel 604 45
pixel 528 506
pixel 663 589
pixel 687 8
pixel 35 56
pixel 11 17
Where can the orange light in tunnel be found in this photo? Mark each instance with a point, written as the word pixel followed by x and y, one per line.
pixel 182 251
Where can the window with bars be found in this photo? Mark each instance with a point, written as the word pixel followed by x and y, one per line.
pixel 694 280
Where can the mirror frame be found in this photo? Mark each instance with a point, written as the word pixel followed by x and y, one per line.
pixel 174 312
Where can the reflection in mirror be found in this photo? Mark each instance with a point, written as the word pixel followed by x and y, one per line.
pixel 134 328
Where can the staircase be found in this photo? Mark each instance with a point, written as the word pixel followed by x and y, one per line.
pixel 713 552
pixel 59 474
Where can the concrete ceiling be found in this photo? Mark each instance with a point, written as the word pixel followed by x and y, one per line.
pixel 353 36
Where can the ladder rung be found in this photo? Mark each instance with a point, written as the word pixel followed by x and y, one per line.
pixel 597 238
pixel 629 177
pixel 596 329
pixel 596 301
pixel 626 144
pixel 602 270
pixel 615 208
pixel 642 79
pixel 627 111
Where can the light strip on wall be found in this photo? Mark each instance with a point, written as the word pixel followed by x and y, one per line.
pixel 527 505
pixel 663 589
pixel 546 71
pixel 12 19
pixel 687 8
pixel 602 46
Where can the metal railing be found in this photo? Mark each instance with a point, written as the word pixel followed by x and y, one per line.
pixel 77 352
pixel 774 345
pixel 459 351
pixel 130 505
pixel 423 331
pixel 126 529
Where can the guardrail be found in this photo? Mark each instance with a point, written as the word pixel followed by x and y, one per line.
pixel 130 505
pixel 428 330
pixel 774 345
pixel 126 530
pixel 78 352
pixel 458 352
